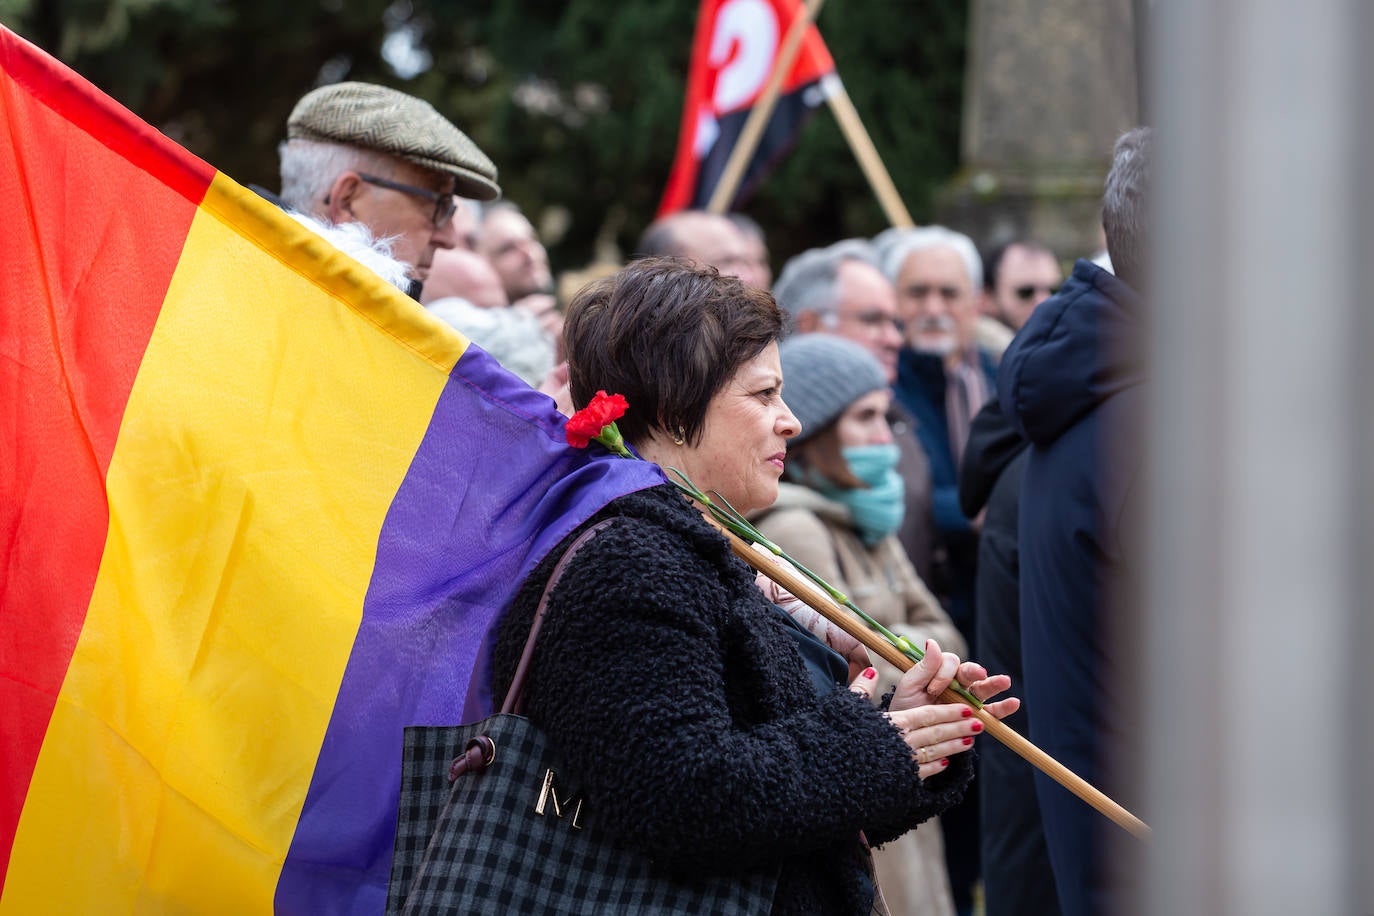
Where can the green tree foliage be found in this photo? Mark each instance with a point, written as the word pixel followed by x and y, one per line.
pixel 577 101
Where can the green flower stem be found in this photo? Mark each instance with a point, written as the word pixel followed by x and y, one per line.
pixel 741 527
pixel 611 438
pixel 738 525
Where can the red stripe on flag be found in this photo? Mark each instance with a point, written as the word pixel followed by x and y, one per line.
pixel 94 209
pixel 733 53
pixel 701 88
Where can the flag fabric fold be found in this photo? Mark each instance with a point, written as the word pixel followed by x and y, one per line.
pixel 733 55
pixel 258 513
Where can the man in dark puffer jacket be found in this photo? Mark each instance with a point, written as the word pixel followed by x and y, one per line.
pixel 1072 383
pixel 1017 879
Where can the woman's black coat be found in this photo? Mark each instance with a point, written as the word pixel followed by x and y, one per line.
pixel 679 704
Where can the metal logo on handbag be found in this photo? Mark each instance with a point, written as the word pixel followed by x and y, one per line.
pixel 547 793
pixel 475 833
pixel 479 754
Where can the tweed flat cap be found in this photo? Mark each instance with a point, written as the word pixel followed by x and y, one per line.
pixel 377 118
pixel 822 375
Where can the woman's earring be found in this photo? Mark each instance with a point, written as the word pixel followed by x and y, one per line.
pixel 680 438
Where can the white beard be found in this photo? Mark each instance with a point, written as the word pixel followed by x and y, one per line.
pixel 935 336
pixel 941 345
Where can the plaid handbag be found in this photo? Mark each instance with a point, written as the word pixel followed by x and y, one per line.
pixel 487 827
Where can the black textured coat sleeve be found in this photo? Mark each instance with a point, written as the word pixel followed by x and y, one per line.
pixel 682 709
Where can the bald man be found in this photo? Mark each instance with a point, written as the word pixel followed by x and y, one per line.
pixel 704 238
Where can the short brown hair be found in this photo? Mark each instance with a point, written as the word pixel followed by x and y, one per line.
pixel 667 335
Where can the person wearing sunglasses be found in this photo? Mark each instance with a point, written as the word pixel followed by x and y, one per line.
pixel 357 152
pixel 1017 277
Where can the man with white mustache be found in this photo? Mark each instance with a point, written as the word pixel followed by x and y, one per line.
pixel 943 379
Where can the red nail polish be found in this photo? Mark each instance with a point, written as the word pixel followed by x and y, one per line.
pixel 870 673
pixel 967 742
pixel 944 761
pixel 966 713
pixel 977 726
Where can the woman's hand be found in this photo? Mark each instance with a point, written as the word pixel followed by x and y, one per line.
pixel 923 683
pixel 935 731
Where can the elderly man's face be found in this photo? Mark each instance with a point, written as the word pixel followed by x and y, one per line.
pixel 1026 277
pixel 406 217
pixel 937 302
pixel 507 240
pixel 866 312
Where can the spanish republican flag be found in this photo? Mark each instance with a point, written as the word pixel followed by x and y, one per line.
pixel 736 44
pixel 258 512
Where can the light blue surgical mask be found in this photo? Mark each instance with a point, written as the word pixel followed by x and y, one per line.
pixel 877 510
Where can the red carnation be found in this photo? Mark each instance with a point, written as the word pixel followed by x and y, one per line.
pixel 597 421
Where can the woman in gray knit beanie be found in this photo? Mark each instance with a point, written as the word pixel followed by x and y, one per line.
pixel 837 512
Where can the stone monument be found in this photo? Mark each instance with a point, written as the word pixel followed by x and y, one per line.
pixel 1050 86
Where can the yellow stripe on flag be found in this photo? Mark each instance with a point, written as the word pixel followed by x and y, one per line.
pixel 267 432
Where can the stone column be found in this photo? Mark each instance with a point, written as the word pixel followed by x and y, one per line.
pixel 1050 86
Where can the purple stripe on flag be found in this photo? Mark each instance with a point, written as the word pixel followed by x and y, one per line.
pixel 492 489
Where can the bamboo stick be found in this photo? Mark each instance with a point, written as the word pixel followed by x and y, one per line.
pixel 724 194
pixel 806 590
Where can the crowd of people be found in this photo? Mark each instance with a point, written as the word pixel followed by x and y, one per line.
pixel 920 423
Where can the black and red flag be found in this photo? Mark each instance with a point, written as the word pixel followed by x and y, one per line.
pixel 733 52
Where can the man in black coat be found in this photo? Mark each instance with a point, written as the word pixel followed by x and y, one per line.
pixel 1017 879
pixel 1073 385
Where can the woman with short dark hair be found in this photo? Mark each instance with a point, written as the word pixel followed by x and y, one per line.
pixel 704 726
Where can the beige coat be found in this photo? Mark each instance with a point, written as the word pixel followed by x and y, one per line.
pixel 817 532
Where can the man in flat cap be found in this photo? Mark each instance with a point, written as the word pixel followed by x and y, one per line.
pixel 357 152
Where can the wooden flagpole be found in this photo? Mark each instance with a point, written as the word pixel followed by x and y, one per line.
pixel 786 576
pixel 851 126
pixel 862 146
pixel 724 194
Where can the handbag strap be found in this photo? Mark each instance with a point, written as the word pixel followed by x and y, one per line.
pixel 515 697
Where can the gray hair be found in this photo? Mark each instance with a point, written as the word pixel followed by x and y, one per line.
pixel 309 167
pixel 884 241
pixel 1125 204
pixel 808 281
pixel 355 240
pixel 902 244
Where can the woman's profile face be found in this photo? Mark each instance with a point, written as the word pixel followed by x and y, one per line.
pixel 865 421
pixel 744 436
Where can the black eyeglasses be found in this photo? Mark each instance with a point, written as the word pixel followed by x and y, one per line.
pixel 1026 293
pixel 445 205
